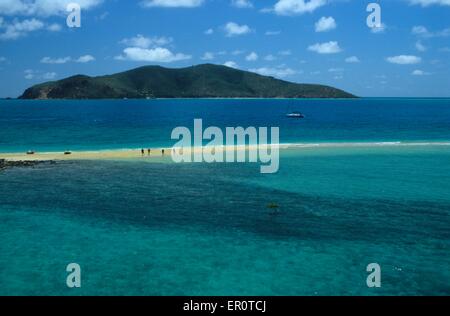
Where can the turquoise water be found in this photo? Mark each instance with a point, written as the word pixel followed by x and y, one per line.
pixel 159 228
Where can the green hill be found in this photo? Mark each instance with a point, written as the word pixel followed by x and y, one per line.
pixel 202 81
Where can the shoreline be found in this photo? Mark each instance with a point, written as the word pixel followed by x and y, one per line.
pixel 135 153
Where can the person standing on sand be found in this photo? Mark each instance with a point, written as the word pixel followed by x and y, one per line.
pixel 149 151
pixel 142 151
pixel 162 151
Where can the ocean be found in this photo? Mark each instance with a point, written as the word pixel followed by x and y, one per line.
pixel 153 227
pixel 117 124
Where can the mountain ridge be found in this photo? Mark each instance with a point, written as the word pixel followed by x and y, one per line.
pixel 200 81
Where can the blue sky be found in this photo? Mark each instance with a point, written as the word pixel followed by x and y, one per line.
pixel 306 41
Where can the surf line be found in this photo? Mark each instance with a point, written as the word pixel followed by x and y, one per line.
pixel 189 147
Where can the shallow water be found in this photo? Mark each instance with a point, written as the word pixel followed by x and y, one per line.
pixel 141 227
pixel 197 229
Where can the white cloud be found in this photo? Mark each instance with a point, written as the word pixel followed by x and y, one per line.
pixel 55 27
pixel 35 10
pixel 252 57
pixel 404 60
pixel 270 57
pixel 420 47
pixel 146 42
pixel 237 52
pixel 85 59
pixel 379 29
pixel 274 72
pixel 267 10
pixel 158 54
pixel 336 70
pixel 172 3
pixel 272 33
pixel 42 8
pixel 49 60
pixel 352 60
pixel 443 33
pixel 49 75
pixel 325 24
pixel 285 52
pixel 64 60
pixel 231 64
pixel 20 28
pixel 325 48
pixel 292 7
pixel 242 4
pixel 29 74
pixel 33 74
pixel 422 31
pixel 426 3
pixel 234 29
pixel 149 49
pixel 103 16
pixel 208 56
pixel 209 31
pixel 435 61
pixel 418 72
pixel 419 30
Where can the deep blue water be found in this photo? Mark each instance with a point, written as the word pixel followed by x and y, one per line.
pixel 159 228
pixel 75 125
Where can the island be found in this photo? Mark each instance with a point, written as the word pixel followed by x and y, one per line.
pixel 200 81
